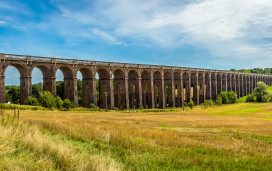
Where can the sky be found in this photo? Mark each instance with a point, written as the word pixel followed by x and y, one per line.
pixel 212 34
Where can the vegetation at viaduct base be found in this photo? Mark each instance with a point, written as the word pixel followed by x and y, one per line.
pixel 47 100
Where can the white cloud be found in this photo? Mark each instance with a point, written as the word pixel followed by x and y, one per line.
pixel 232 30
pixel 110 39
pixel 2 22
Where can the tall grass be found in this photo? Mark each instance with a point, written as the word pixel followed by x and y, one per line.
pixel 25 147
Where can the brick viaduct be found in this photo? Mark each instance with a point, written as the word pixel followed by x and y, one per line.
pixel 126 85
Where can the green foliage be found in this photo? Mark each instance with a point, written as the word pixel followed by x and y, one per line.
pixel 32 101
pixel 207 103
pixel 255 70
pixel 21 107
pixel 47 100
pixel 228 97
pixel 14 93
pixel 60 89
pixel 191 104
pixel 232 97
pixel 224 97
pixel 218 101
pixel 58 102
pixel 67 104
pixel 250 98
pixel 116 109
pixel 79 90
pixel 260 92
pixel 36 89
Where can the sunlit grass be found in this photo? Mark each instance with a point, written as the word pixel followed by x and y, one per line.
pixel 228 137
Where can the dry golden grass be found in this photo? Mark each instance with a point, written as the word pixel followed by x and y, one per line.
pixel 241 132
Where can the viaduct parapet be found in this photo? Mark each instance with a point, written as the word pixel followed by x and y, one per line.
pixel 125 85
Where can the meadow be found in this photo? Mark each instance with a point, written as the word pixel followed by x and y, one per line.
pixel 229 137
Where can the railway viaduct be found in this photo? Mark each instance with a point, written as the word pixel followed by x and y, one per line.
pixel 125 85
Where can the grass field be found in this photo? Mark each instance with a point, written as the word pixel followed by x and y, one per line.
pixel 230 137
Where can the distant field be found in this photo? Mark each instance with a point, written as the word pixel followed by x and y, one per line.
pixel 231 137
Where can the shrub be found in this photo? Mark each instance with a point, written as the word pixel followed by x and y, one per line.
pixel 116 108
pixel 232 97
pixel 67 104
pixel 269 99
pixel 32 101
pixel 184 106
pixel 260 92
pixel 250 98
pixel 207 103
pixel 191 104
pixel 93 106
pixel 218 101
pixel 224 97
pixel 58 102
pixel 47 100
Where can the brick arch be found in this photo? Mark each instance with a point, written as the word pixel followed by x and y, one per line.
pixel 25 89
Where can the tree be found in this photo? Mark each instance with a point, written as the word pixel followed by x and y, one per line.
pixel 60 89
pixel 14 92
pixel 47 100
pixel 260 92
pixel 36 89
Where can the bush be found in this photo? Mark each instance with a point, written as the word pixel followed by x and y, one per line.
pixel 250 98
pixel 269 99
pixel 260 92
pixel 232 97
pixel 58 102
pixel 224 97
pixel 218 101
pixel 207 103
pixel 191 104
pixel 92 106
pixel 67 104
pixel 116 108
pixel 47 100
pixel 32 101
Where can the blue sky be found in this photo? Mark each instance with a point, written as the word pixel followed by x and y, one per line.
pixel 216 34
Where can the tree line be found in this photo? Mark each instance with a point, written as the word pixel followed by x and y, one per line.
pixel 255 70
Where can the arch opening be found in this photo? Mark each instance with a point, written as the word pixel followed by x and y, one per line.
pixel 103 89
pixel 146 89
pixel 133 89
pixel 119 89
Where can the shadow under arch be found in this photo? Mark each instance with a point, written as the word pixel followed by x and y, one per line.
pixel 104 86
pixel 169 90
pixel 119 89
pixel 88 87
pixel 146 89
pixel 133 89
pixel 159 96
